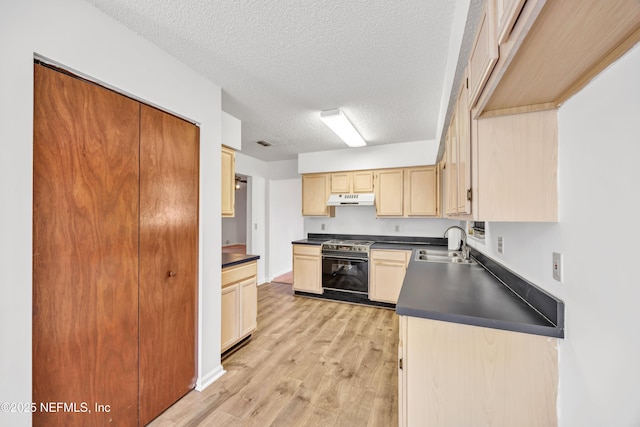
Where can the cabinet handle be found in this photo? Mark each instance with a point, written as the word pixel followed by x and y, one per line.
pixel 172 274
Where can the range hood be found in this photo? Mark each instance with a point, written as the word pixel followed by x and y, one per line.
pixel 357 199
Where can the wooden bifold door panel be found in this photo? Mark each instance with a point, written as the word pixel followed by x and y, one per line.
pixel 115 207
pixel 168 259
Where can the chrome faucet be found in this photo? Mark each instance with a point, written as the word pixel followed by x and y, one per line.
pixel 463 248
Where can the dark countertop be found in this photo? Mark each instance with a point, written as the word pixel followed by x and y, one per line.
pixel 229 259
pixel 382 242
pixel 469 294
pixel 316 242
pixel 403 245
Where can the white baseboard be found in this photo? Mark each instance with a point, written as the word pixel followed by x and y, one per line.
pixel 211 377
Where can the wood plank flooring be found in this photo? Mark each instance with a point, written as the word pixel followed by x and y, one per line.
pixel 310 363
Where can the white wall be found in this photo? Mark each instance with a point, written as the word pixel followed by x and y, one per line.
pixel 598 175
pixel 362 220
pixel 231 131
pixel 256 222
pixel 266 209
pixel 285 223
pixel 234 230
pixel 416 153
pixel 78 36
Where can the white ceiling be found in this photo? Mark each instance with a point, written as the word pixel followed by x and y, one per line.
pixel 280 63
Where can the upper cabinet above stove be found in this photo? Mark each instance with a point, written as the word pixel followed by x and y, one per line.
pixel 399 192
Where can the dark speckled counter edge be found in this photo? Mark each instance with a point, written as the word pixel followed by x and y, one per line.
pixel 237 259
pixel 547 331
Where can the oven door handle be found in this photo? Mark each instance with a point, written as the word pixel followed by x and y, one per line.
pixel 335 273
pixel 344 257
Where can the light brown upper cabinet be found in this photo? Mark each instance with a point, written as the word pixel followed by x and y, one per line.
pixel 408 192
pixel 458 184
pixel 484 52
pixel 352 182
pixel 389 190
pixel 228 182
pixel 507 12
pixel 420 195
pixel 552 50
pixel 115 241
pixel 517 162
pixel 363 181
pixel 316 189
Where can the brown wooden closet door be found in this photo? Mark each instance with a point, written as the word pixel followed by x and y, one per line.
pixel 85 252
pixel 169 158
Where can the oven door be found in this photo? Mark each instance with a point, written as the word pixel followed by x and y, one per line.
pixel 345 274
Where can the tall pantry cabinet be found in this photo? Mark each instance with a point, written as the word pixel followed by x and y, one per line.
pixel 115 228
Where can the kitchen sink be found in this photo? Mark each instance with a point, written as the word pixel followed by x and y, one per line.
pixel 450 257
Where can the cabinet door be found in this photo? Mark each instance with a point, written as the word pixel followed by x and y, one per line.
pixel 507 12
pixel 169 161
pixel 341 182
pixel 388 269
pixel 402 377
pixel 421 195
pixel 517 167
pixel 85 245
pixel 389 186
pixel 451 193
pixel 463 123
pixel 248 306
pixel 484 52
pixel 315 193
pixel 230 307
pixel 307 268
pixel 363 181
pixel 228 182
pixel 447 382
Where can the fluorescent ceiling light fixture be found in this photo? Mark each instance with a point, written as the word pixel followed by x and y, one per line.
pixel 338 122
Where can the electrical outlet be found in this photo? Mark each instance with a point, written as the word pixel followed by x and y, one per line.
pixel 397 228
pixel 557 266
pixel 322 227
pixel 500 245
pixel 255 225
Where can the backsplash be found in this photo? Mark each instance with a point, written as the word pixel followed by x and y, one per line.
pixel 362 220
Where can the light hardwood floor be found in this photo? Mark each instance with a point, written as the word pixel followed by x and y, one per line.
pixel 310 363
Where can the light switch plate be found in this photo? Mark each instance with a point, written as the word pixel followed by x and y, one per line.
pixel 397 228
pixel 557 266
pixel 500 245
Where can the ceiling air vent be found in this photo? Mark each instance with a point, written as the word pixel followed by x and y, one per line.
pixel 264 143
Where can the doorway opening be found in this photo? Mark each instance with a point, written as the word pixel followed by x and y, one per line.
pixel 234 229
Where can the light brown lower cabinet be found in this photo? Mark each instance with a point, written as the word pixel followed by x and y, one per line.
pixel 307 268
pixel 239 303
pixel 115 242
pixel 387 271
pixel 451 374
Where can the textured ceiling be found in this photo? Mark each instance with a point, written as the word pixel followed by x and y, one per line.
pixel 280 63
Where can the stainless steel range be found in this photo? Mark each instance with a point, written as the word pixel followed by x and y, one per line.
pixel 345 266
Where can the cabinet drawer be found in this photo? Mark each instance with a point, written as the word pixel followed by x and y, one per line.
pixel 399 255
pixel 306 250
pixel 231 275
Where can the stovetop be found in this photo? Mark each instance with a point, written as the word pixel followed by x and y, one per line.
pixel 347 245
